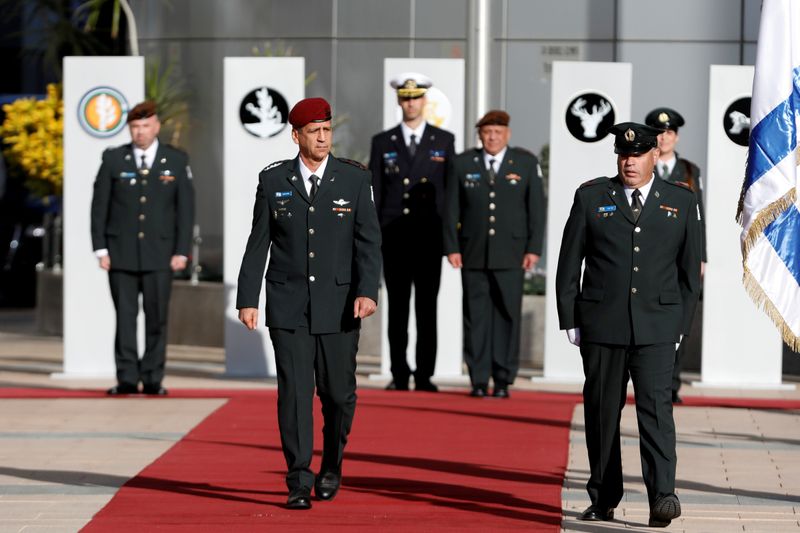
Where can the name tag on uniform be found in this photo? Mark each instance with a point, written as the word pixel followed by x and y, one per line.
pixel 283 194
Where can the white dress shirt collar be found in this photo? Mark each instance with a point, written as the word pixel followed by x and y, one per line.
pixel 149 154
pixel 644 190
pixel 306 173
pixel 407 131
pixel 498 158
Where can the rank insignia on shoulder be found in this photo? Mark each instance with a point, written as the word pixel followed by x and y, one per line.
pixel 683 184
pixel 354 163
pixel 275 164
pixel 591 182
pixel 283 194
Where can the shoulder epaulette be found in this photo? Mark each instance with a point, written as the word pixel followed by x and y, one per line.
pixel 275 164
pixel 353 162
pixel 594 181
pixel 524 151
pixel 176 148
pixel 682 184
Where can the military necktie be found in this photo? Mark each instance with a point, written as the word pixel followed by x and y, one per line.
pixel 143 169
pixel 636 204
pixel 314 186
pixel 664 172
pixel 492 173
pixel 412 145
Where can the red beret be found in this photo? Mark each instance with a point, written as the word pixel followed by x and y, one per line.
pixel 145 109
pixel 494 117
pixel 309 110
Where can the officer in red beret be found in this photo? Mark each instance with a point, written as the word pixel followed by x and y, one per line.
pixel 315 216
pixel 493 232
pixel 141 222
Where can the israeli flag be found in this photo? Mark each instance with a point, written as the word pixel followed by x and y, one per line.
pixel 769 210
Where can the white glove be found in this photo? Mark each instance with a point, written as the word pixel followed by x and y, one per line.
pixel 678 344
pixel 574 336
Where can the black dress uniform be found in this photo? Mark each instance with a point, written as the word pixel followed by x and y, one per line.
pixel 409 197
pixel 324 253
pixel 637 296
pixel 142 217
pixel 684 171
pixel 493 223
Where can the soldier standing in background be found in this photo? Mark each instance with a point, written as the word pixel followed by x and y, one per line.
pixel 672 168
pixel 142 217
pixel 493 232
pixel 408 164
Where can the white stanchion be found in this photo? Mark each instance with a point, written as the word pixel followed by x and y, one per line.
pixel 741 347
pixel 258 94
pixel 587 98
pixel 446 110
pixel 98 91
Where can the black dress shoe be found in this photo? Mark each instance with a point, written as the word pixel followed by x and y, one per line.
pixel 425 385
pixel 664 511
pixel 123 388
pixel 676 398
pixel 501 391
pixel 479 391
pixel 327 485
pixel 299 498
pixel 154 389
pixel 397 385
pixel 595 513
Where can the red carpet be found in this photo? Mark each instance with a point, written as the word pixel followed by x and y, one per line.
pixel 415 462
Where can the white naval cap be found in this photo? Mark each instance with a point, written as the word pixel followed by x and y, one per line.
pixel 411 84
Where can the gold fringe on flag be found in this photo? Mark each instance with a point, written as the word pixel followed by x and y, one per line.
pixel 762 301
pixel 766 217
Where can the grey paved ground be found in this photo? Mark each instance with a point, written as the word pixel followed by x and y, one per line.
pixel 62 460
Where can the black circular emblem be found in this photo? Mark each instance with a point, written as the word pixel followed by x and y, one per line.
pixel 737 121
pixel 589 116
pixel 264 112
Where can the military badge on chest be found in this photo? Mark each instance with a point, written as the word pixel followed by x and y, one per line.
pixel 472 180
pixel 672 212
pixel 283 200
pixel 166 177
pixel 341 209
pixel 513 179
pixel 438 156
pixel 390 163
pixel 606 211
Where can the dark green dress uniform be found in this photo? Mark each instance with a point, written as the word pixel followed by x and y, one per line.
pixel 323 254
pixel 409 197
pixel 640 284
pixel 143 218
pixel 493 224
pixel 687 172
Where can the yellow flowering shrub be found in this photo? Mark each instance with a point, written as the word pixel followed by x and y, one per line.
pixel 32 134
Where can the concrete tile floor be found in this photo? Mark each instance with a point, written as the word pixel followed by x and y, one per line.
pixel 62 460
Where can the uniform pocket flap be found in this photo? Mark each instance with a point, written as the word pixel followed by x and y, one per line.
pixel 669 297
pixel 276 276
pixel 343 278
pixel 593 294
